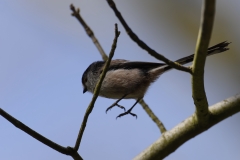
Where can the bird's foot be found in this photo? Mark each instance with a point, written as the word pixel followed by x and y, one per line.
pixel 115 104
pixel 125 113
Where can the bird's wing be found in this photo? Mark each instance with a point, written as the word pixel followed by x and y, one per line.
pixel 135 65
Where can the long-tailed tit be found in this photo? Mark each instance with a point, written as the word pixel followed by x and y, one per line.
pixel 131 79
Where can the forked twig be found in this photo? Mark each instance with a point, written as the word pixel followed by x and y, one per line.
pixel 204 35
pixel 97 90
pixel 39 137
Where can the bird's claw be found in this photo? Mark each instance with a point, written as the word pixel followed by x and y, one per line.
pixel 109 108
pixel 121 107
pixel 115 104
pixel 125 113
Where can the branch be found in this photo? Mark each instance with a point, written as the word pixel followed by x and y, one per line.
pixel 39 137
pixel 97 90
pixel 153 116
pixel 198 91
pixel 143 45
pixel 76 13
pixel 190 128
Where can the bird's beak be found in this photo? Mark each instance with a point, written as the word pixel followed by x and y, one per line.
pixel 84 89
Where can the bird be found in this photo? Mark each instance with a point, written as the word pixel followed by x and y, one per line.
pixel 131 79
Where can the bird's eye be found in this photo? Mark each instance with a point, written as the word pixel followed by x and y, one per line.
pixel 85 80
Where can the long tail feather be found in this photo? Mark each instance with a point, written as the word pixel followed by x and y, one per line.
pixel 218 48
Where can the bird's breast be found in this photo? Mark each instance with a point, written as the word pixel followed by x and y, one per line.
pixel 120 82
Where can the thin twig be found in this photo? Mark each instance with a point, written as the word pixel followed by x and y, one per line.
pixel 39 137
pixel 97 90
pixel 76 13
pixel 153 116
pixel 204 35
pixel 143 45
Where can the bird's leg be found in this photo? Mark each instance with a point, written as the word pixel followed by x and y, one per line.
pixel 116 104
pixel 129 111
